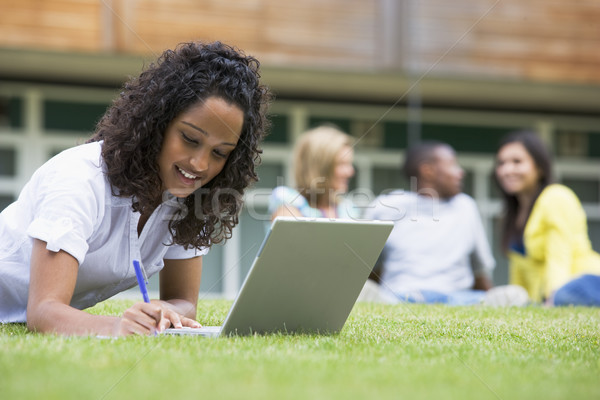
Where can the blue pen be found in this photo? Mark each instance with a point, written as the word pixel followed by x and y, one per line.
pixel 140 278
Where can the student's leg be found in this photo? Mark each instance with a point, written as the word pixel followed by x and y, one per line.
pixel 458 298
pixel 466 297
pixel 582 291
pixel 423 296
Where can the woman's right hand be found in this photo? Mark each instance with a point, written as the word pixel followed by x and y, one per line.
pixel 140 319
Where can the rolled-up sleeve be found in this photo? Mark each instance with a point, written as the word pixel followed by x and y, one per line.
pixel 177 252
pixel 68 206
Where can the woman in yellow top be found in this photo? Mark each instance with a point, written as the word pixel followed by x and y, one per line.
pixel 545 229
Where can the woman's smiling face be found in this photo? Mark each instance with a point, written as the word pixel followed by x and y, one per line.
pixel 197 144
pixel 516 170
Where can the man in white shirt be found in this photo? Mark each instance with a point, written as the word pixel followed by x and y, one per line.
pixel 437 251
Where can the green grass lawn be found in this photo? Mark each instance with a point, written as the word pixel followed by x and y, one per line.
pixel 400 351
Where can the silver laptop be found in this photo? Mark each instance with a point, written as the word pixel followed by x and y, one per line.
pixel 305 278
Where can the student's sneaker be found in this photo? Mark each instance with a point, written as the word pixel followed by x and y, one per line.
pixel 506 296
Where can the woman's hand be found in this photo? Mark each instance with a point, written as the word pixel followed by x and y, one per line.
pixel 53 276
pixel 151 318
pixel 172 318
pixel 141 319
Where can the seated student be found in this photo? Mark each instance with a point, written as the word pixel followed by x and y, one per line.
pixel 323 167
pixel 545 230
pixel 152 184
pixel 437 251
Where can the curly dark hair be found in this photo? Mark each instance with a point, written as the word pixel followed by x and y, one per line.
pixel 134 126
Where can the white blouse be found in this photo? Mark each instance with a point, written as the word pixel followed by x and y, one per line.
pixel 69 205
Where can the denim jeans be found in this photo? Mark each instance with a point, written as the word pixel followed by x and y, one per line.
pixel 458 298
pixel 582 291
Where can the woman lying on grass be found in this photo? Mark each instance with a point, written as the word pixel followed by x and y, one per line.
pixel 160 182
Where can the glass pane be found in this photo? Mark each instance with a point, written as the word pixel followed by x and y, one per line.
pixel 270 175
pixel 279 128
pixel 594 145
pixel 11 112
pixel 594 231
pixel 386 179
pixel 588 190
pixel 8 161
pixel 6 200
pixel 494 190
pixel 477 139
pixel 254 224
pixel 70 116
pixel 468 183
pixel 212 271
pixel 395 135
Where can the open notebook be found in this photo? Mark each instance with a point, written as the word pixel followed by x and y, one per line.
pixel 306 277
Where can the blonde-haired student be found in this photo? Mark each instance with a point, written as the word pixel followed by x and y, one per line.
pixel 323 167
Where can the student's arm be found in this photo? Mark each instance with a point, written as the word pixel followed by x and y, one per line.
pixel 377 271
pixel 285 202
pixel 564 222
pixel 52 282
pixel 179 288
pixel 482 259
pixel 482 282
pixel 286 211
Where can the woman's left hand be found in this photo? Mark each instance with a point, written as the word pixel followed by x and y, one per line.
pixel 171 318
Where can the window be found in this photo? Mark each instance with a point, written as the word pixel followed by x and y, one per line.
pixel 594 232
pixel 471 139
pixel 212 270
pixel 8 162
pixel 11 112
pixel 5 201
pixel 279 129
pixel 395 135
pixel 588 190
pixel 254 223
pixel 270 175
pixel 594 145
pixel 74 117
pixel 386 179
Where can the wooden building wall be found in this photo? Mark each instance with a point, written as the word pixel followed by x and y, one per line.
pixel 538 40
pixel 546 40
